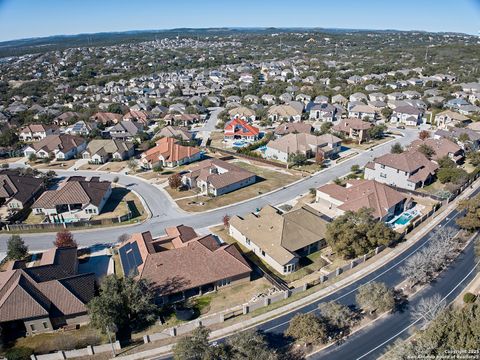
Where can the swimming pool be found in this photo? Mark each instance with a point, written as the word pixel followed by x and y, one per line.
pixel 405 218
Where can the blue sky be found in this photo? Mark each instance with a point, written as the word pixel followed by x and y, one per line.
pixel 35 18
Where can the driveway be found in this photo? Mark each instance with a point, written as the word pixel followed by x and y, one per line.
pixel 165 213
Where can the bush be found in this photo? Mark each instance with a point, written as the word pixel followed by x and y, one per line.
pixel 469 298
pixel 19 353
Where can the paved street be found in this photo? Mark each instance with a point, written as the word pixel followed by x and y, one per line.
pixel 165 213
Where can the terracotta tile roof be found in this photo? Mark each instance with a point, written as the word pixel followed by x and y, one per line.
pixel 170 150
pixel 241 128
pixel 368 194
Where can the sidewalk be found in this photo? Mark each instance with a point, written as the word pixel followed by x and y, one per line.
pixel 248 323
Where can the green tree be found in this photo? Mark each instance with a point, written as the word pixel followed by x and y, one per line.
pixel 396 148
pixel 125 303
pixel 297 159
pixel 377 131
pixel 339 317
pixel 355 168
pixel 250 345
pixel 426 150
pixel 16 248
pixel 116 108
pixel 8 138
pixel 387 112
pixel 194 346
pixel 375 296
pixel 325 127
pixel 356 233
pixel 307 329
pixel 451 175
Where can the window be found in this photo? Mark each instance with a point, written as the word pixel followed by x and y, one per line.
pixel 382 166
pixel 45 325
pixel 224 282
pixel 247 241
pixel 382 175
pixel 263 253
pixel 32 327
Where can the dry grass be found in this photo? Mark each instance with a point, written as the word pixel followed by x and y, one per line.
pixel 55 164
pixel 10 160
pixel 117 205
pixel 90 166
pixel 114 166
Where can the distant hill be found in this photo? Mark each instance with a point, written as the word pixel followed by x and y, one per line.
pixel 58 42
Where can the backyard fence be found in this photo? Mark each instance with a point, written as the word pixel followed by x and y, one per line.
pixel 70 225
pixel 88 351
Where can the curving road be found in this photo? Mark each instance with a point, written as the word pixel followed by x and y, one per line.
pixel 165 213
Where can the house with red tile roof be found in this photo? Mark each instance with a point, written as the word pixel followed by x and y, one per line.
pixel 169 153
pixel 182 263
pixel 384 201
pixel 240 129
pixel 47 296
pixel 409 170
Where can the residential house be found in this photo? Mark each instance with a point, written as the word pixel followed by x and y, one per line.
pixel 36 132
pixel 66 118
pixel 106 118
pixel 407 115
pixel 240 129
pixel 177 132
pixel 217 177
pixel 292 128
pixel 124 130
pixel 362 112
pixel 46 296
pixel 302 143
pixel 354 128
pixel 242 112
pixel 385 202
pixel 169 153
pixel 409 170
pixel 80 128
pixel 280 240
pixel 100 151
pixel 181 119
pixel 74 199
pixel 286 113
pixel 448 118
pixel 466 138
pixel 60 147
pixel 17 190
pixel 139 116
pixel 182 264
pixel 442 147
pixel 323 112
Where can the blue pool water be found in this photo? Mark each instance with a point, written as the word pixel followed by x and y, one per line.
pixel 404 219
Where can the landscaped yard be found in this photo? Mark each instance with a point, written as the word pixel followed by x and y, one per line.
pixel 268 180
pixel 33 218
pixel 54 164
pixel 114 166
pixel 90 166
pixel 368 145
pixel 45 343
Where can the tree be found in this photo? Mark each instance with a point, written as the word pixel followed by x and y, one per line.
pixel 424 134
pixel 338 316
pixel 387 112
pixel 325 127
pixel 426 150
pixel 471 219
pixel 174 181
pixel 474 157
pixel 375 296
pixel 464 138
pixel 226 221
pixel 355 168
pixel 194 346
pixel 32 157
pixel 356 233
pixel 307 329
pixel 319 158
pixel 16 248
pixel 428 309
pixel 126 304
pixel 297 159
pixel 396 148
pixel 116 108
pixel 132 165
pixel 8 137
pixel 64 238
pixel 377 131
pixel 250 345
pixel 451 175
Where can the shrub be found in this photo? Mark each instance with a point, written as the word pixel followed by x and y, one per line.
pixel 469 298
pixel 19 353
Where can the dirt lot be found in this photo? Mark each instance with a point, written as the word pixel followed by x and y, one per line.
pixel 268 180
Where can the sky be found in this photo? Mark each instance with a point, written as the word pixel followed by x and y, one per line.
pixel 37 18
